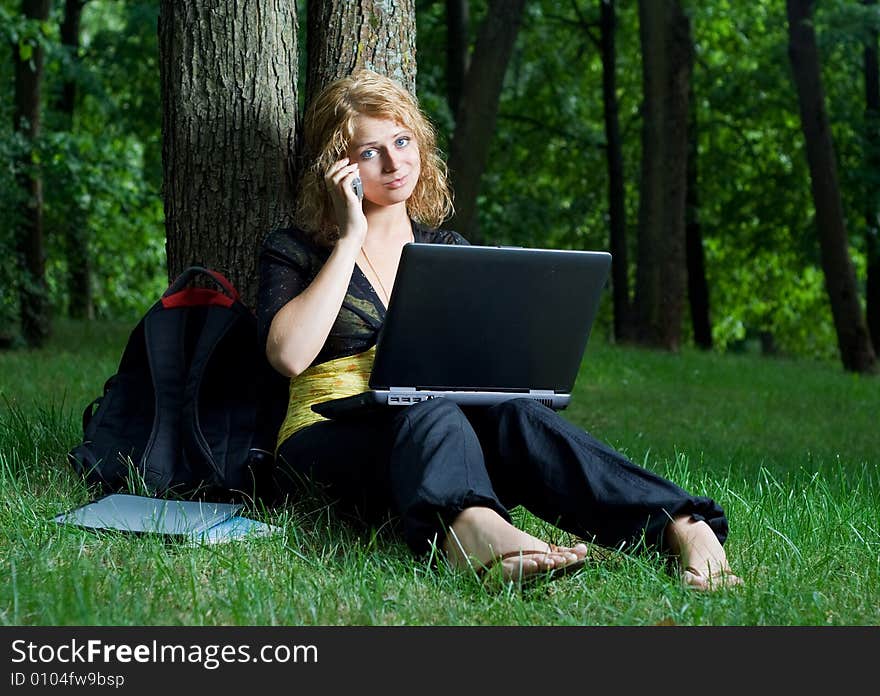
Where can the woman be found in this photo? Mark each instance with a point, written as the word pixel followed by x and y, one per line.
pixel 450 475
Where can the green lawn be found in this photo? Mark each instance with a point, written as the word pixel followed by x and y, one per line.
pixel 789 448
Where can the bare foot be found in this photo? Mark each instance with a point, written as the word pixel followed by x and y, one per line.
pixel 480 538
pixel 700 555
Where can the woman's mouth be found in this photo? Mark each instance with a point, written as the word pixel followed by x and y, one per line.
pixel 396 183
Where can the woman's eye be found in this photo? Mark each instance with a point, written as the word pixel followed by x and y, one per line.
pixel 402 142
pixel 368 154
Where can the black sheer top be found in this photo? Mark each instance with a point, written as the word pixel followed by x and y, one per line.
pixel 289 262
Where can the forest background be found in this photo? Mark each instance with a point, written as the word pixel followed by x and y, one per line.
pixel 567 161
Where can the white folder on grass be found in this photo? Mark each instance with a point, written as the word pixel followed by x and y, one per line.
pixel 189 520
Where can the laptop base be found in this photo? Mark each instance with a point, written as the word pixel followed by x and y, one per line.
pixel 378 401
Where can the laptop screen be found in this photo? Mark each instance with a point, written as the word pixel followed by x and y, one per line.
pixel 489 318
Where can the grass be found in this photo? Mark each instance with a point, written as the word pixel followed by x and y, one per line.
pixel 788 447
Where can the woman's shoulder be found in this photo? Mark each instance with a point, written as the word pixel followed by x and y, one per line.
pixel 286 236
pixel 291 242
pixel 431 235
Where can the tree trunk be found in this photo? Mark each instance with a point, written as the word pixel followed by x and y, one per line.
pixel 70 40
pixel 660 278
pixel 872 193
pixel 698 287
pixel 855 347
pixel 33 291
pixel 76 237
pixel 376 34
pixel 229 108
pixel 475 119
pixel 624 329
pixel 457 50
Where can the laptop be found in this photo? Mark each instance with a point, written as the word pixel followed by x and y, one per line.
pixel 481 324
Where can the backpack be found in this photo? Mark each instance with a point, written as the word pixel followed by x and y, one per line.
pixel 194 407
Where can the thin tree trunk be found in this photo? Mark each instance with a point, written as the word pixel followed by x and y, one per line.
pixel 70 26
pixel 76 237
pixel 478 110
pixel 33 292
pixel 229 73
pixel 855 347
pixel 624 329
pixel 660 278
pixel 457 50
pixel 872 194
pixel 376 34
pixel 698 287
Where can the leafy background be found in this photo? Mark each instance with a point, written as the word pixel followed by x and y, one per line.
pixel 546 183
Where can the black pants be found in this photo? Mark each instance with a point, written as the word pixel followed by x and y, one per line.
pixel 427 462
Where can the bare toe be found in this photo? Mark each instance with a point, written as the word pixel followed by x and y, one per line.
pixel 524 565
pixel 709 582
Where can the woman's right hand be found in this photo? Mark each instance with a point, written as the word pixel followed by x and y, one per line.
pixel 349 209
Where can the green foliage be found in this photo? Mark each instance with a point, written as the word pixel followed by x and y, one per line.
pixel 101 187
pixel 537 189
pixel 10 205
pixel 546 183
pixel 842 36
pixel 108 169
pixel 102 172
pixel 756 208
pixel 25 34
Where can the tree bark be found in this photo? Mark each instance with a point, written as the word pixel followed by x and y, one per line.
pixel 698 286
pixel 457 50
pixel 33 292
pixel 376 34
pixel 624 328
pixel 76 237
pixel 660 278
pixel 856 351
pixel 229 100
pixel 872 193
pixel 478 110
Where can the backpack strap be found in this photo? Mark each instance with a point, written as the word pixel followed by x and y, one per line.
pixel 165 336
pixel 89 413
pixel 217 323
pixel 93 407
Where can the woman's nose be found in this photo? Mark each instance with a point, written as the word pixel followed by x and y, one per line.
pixel 390 161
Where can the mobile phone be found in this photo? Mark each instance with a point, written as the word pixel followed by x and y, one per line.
pixel 358 188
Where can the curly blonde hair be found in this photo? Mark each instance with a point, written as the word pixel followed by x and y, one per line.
pixel 328 128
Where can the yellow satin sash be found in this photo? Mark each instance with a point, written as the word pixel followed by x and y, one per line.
pixel 330 380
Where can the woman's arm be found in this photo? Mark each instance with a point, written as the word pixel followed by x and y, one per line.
pixel 300 328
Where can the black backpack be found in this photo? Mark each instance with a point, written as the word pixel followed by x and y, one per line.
pixel 194 407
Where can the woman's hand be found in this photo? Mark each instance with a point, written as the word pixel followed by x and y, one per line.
pixel 349 209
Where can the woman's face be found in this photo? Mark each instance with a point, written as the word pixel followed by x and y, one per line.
pixel 387 156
